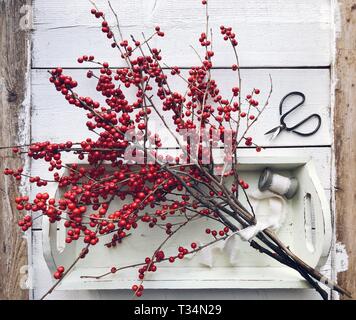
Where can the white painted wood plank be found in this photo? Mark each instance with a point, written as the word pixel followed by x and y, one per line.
pixel 270 33
pixel 54 119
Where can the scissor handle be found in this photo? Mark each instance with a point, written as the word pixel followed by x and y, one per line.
pixel 300 94
pixel 304 121
pixel 294 93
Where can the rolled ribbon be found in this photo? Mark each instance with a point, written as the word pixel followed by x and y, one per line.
pixel 278 184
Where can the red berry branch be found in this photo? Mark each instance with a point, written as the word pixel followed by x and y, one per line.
pixel 125 160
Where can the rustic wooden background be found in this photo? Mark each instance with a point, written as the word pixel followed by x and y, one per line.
pixel 345 140
pixel 13 87
pixel 291 40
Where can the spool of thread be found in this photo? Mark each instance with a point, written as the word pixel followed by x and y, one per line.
pixel 277 183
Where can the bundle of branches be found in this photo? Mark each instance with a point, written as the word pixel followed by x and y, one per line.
pixel 154 185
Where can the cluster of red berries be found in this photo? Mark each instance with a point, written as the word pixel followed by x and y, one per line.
pixel 251 101
pixel 97 13
pixel 59 273
pixel 85 58
pixel 215 233
pixel 180 255
pixel 15 173
pixel 25 223
pixel 159 32
pixel 137 289
pixel 243 184
pixel 63 83
pixel 105 26
pixel 175 70
pixel 150 265
pixel 204 42
pixel 229 35
pixel 235 91
pixel 87 190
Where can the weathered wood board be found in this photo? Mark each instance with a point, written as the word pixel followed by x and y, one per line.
pixel 278 33
pixel 61 121
pixel 345 141
pixel 14 49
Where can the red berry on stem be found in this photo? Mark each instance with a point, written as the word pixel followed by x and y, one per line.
pixel 60 269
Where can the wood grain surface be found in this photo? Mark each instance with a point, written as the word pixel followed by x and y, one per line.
pixel 345 140
pixel 61 121
pixel 13 69
pixel 276 33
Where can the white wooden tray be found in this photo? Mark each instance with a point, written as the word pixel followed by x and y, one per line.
pixel 307 230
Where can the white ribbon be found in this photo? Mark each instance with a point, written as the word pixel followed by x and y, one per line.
pixel 270 211
pixel 271 215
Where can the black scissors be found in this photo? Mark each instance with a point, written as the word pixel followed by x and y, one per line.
pixel 277 130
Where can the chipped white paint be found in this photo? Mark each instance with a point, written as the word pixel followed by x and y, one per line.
pixel 341 258
pixel 24 132
pixel 336 30
pixel 24 138
pixel 336 20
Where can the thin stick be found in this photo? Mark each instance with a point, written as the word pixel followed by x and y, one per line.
pixel 65 273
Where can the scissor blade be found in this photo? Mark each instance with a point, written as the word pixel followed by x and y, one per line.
pixel 274 136
pixel 275 132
